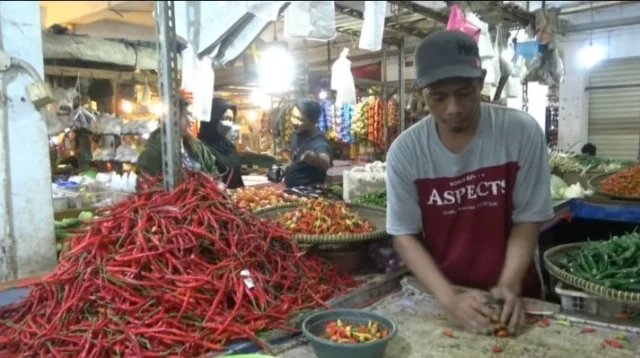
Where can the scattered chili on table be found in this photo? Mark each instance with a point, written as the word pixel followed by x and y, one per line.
pixel 321 216
pixel 173 273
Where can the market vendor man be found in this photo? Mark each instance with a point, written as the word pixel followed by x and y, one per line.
pixel 310 151
pixel 195 155
pixel 468 189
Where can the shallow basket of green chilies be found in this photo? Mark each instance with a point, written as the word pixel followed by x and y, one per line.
pixel 374 198
pixel 610 268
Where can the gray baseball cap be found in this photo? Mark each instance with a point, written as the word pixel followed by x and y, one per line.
pixel 447 54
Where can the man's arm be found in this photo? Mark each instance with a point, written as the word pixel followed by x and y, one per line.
pixel 532 205
pixel 320 156
pixel 404 222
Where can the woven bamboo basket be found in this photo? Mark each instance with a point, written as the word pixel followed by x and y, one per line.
pixel 594 183
pixel 376 215
pixel 559 252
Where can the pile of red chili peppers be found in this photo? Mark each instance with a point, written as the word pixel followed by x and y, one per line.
pixel 625 182
pixel 173 273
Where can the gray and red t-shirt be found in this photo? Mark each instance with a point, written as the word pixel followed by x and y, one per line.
pixel 465 204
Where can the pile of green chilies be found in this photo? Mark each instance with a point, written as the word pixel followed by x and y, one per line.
pixel 375 198
pixel 614 263
pixel 175 273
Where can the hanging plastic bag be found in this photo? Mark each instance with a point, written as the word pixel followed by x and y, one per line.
pixel 315 20
pixel 342 80
pixel 373 25
pixel 457 21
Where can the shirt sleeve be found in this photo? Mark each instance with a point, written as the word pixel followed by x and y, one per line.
pixel 321 146
pixel 532 195
pixel 403 210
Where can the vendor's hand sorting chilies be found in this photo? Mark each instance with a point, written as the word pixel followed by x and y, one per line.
pixel 471 184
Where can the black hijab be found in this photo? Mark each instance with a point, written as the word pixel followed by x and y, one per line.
pixel 209 133
pixel 227 158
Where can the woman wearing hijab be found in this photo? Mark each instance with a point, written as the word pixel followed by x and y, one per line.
pixel 218 135
pixel 195 155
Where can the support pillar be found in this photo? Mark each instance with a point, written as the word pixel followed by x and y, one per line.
pixel 27 241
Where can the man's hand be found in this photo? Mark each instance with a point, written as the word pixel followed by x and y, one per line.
pixel 470 309
pixel 512 314
pixel 310 157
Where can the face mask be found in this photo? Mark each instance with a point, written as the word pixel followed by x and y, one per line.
pixel 229 130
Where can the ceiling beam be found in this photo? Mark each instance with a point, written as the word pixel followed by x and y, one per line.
pixel 404 29
pixel 421 10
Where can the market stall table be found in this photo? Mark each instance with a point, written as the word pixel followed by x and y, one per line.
pixel 421 325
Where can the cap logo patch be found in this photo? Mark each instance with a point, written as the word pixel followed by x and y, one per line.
pixel 468 50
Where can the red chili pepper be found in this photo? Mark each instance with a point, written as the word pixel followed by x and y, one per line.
pixel 544 323
pixel 587 329
pixel 613 343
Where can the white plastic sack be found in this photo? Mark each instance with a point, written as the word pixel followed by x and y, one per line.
pixel 342 80
pixel 239 40
pixel 198 78
pixel 266 10
pixel 203 24
pixel 315 20
pixel 484 42
pixel 373 25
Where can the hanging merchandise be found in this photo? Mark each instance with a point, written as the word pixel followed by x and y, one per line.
pixel 288 127
pixel 342 80
pixel 359 124
pixel 373 25
pixel 457 21
pixel 325 116
pixel 333 123
pixel 393 118
pixel 375 128
pixel 486 50
pixel 314 20
pixel 346 116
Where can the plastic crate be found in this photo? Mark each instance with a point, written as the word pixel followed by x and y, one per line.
pixel 575 301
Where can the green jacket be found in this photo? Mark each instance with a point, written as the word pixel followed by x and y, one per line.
pixel 150 160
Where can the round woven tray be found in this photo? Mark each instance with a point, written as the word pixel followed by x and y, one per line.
pixel 559 252
pixel 594 183
pixel 376 215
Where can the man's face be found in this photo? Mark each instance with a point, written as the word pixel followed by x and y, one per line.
pixel 299 123
pixel 454 103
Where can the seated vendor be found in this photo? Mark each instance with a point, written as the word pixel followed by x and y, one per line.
pixel 195 155
pixel 310 151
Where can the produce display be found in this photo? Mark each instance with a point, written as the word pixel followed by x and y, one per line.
pixel 613 263
pixel 260 198
pixel 364 179
pixel 320 216
pixel 561 190
pixel 625 182
pixel 66 228
pixel 173 273
pixel 344 332
pixel 375 198
pixel 565 162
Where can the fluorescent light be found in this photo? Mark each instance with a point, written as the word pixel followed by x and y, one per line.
pixel 276 68
pixel 591 55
